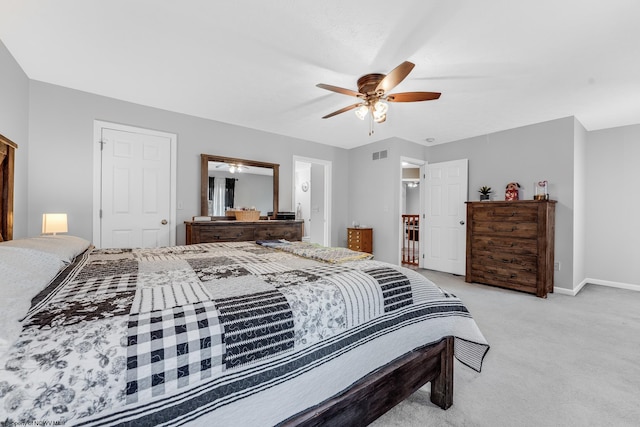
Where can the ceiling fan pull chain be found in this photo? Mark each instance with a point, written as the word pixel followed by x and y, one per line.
pixel 370 124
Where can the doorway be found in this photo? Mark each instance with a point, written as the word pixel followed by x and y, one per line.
pixel 312 198
pixel 134 202
pixel 411 212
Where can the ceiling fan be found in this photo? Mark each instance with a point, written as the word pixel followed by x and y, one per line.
pixel 373 94
pixel 233 167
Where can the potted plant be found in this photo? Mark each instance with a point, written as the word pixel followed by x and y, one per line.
pixel 484 192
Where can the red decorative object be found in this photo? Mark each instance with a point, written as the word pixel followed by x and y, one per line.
pixel 512 191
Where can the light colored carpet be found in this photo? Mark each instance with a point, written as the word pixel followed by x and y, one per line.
pixel 560 361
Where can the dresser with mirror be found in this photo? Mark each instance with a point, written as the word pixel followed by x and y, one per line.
pixel 229 184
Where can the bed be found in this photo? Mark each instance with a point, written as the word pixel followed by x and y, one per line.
pixel 239 333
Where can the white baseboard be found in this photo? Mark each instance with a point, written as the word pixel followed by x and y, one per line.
pixel 573 292
pixel 564 291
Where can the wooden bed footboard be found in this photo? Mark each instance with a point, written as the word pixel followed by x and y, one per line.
pixel 381 390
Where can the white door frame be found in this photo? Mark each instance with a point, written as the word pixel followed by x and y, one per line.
pixel 327 192
pixel 98 125
pixel 423 165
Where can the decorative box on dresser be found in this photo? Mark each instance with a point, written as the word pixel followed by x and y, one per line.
pixel 360 239
pixel 511 244
pixel 238 231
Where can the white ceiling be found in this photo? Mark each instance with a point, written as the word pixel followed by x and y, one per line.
pixel 499 64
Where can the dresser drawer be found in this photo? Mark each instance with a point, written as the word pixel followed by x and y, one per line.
pixel 504 276
pixel 506 229
pixel 483 244
pixel 279 232
pixel 226 234
pixel 504 260
pixel 507 213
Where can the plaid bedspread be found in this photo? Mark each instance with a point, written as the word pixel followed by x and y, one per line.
pixel 199 327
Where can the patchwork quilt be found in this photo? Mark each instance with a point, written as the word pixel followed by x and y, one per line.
pixel 168 335
pixel 314 251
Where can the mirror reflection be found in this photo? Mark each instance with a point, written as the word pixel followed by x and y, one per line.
pixel 237 186
pixel 229 184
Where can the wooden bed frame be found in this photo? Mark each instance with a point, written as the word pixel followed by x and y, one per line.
pixel 360 404
pixel 381 390
pixel 7 158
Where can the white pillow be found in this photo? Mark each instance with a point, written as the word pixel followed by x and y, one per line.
pixel 23 274
pixel 65 248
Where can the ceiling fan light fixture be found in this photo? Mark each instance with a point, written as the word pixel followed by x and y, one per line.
pixel 379 117
pixel 361 111
pixel 381 107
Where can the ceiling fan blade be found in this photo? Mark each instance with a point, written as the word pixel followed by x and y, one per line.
pixel 342 110
pixel 413 96
pixel 396 75
pixel 339 90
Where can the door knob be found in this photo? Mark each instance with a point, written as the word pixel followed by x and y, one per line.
pixel 163 222
pixel 461 222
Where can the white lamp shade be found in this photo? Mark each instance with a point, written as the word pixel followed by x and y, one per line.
pixel 361 111
pixel 381 107
pixel 54 223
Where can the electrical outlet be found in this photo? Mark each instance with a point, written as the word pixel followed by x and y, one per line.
pixel 556 266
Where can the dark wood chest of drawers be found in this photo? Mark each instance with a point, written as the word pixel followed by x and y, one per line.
pixel 237 231
pixel 511 244
pixel 360 239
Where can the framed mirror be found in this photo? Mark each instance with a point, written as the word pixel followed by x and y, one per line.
pixel 228 183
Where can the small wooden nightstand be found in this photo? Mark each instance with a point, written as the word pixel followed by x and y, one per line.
pixel 360 239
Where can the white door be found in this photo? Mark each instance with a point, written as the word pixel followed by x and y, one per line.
pixel 137 189
pixel 444 225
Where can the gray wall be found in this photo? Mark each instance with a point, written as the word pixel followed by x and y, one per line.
pixel 14 124
pixel 375 192
pixel 612 203
pixel 61 155
pixel 543 151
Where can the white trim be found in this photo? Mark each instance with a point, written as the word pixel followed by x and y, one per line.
pixel 609 283
pixel 98 125
pixel 564 291
pixel 327 192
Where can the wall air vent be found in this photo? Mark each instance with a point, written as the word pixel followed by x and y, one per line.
pixel 380 155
